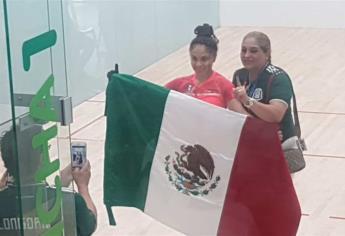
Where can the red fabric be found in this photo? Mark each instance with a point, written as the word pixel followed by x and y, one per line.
pixel 261 199
pixel 216 90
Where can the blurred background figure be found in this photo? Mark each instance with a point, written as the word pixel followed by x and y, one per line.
pixel 86 214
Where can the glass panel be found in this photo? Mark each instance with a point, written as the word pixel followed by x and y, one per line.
pixel 34 142
pixel 133 34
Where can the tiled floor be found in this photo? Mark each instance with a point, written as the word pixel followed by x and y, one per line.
pixel 314 60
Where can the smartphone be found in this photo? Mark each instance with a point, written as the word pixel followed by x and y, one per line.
pixel 78 153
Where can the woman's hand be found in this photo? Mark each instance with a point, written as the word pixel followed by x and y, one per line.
pixel 82 176
pixel 66 175
pixel 240 94
pixel 3 180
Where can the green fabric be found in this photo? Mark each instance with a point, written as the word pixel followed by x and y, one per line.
pixel 134 115
pixel 86 220
pixel 280 88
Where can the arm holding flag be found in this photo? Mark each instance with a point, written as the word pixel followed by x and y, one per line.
pixel 249 192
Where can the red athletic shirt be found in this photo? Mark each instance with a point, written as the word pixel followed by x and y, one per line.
pixel 216 90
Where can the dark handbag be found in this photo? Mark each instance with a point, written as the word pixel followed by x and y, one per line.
pixel 294 154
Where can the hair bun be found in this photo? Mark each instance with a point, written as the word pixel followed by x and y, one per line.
pixel 204 30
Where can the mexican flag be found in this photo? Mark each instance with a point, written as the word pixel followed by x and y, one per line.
pixel 198 168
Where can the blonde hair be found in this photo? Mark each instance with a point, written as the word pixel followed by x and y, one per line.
pixel 262 40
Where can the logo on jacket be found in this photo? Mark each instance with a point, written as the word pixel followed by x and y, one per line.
pixel 191 170
pixel 258 94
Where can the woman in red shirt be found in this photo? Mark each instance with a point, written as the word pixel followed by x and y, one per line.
pixel 206 84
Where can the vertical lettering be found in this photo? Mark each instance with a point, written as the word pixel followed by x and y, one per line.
pixel 36 45
pixel 13 223
pixel 47 167
pixel 38 224
pixel 18 222
pixel 56 230
pixel 41 104
pixel 48 216
pixel 7 223
pixel 29 223
pixel 41 108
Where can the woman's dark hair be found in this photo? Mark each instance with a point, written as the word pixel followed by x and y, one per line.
pixel 205 36
pixel 29 158
pixel 7 151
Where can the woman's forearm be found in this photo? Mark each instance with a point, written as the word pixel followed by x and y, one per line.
pixel 273 112
pixel 84 192
pixel 235 105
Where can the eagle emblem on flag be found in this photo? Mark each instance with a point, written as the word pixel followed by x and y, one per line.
pixel 191 170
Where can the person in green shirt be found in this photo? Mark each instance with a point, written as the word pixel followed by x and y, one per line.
pixel 85 220
pixel 264 90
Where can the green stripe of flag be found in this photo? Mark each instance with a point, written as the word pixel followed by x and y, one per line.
pixel 133 126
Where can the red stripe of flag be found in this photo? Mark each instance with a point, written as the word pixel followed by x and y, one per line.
pixel 261 199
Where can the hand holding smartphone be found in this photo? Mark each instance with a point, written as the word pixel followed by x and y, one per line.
pixel 78 154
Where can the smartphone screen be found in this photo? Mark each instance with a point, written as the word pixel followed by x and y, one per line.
pixel 78 153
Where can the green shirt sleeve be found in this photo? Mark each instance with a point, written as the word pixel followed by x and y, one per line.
pixel 86 220
pixel 281 88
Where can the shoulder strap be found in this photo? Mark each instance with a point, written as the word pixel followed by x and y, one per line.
pixel 268 88
pixel 295 111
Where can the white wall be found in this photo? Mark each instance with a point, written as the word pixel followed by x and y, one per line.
pixel 315 14
pixel 92 36
pixel 132 33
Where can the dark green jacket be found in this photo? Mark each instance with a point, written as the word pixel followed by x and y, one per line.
pixel 78 219
pixel 273 83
